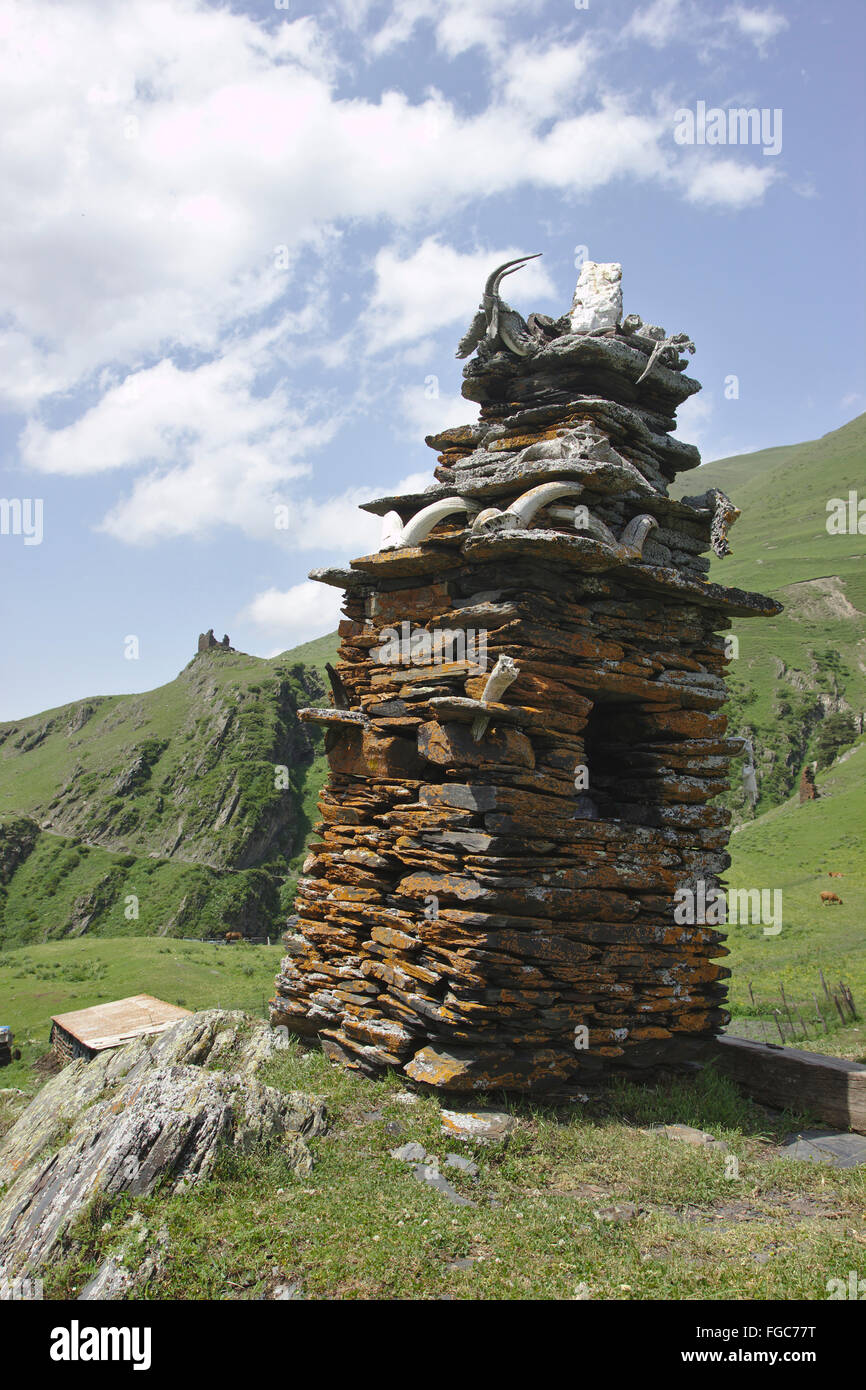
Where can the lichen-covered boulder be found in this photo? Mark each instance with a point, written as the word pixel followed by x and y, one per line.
pixel 140 1115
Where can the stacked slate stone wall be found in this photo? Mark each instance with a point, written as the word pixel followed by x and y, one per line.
pixel 490 898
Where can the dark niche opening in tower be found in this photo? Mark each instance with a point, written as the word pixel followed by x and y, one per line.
pixel 621 770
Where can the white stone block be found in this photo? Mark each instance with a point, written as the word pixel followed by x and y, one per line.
pixel 597 300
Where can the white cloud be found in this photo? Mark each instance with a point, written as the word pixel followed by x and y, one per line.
pixel 425 414
pixel 295 615
pixel 161 156
pixel 240 488
pixel 546 81
pixel 162 414
pixel 588 151
pixel 416 482
pixel 335 524
pixel 694 419
pixel 761 26
pixel 132 221
pixel 726 183
pixel 658 23
pixel 665 21
pixel 149 203
pixel 458 26
pixel 214 451
pixel 209 452
pixel 435 285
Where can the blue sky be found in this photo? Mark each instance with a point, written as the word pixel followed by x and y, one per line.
pixel 241 243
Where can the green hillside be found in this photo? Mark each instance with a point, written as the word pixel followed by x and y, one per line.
pixel 794 849
pixel 182 811
pixel 795 671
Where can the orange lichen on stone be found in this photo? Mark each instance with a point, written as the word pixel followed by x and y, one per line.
pixel 491 900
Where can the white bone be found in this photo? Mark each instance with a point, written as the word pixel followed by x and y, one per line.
pixel 635 534
pixel 492 519
pixel 525 507
pixel 595 526
pixel 422 523
pixel 504 674
pixel 392 529
pixel 483 517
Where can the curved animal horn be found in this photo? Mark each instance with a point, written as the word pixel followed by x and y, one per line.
pixel 481 520
pixel 507 268
pixel 504 673
pixel 636 533
pixel 525 507
pixel 595 526
pixel 392 528
pixel 422 523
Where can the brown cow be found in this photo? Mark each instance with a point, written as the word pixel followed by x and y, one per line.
pixel 234 936
pixel 831 874
pixel 830 898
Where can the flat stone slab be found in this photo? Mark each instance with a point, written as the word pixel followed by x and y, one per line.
pixel 405 1098
pixel 284 1292
pixel 410 1153
pixel 481 1126
pixel 618 1214
pixel 841 1150
pixel 431 1177
pixel 687 1134
pixel 314 715
pixel 464 1165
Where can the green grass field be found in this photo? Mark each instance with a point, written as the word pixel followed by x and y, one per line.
pixel 38 981
pixel 583 1203
pixel 793 848
pixel 781 546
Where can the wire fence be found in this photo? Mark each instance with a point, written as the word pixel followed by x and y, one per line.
pixel 787 1020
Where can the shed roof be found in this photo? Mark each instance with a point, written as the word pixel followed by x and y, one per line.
pixel 110 1025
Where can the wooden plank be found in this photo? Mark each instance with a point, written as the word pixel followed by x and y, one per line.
pixel 788 1078
pixel 106 1025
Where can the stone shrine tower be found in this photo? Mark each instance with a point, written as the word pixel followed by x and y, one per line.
pixel 528 730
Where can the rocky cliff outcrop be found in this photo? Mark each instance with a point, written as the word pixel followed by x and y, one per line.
pixel 18 835
pixel 211 772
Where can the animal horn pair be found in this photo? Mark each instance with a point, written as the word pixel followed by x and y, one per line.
pixel 507 268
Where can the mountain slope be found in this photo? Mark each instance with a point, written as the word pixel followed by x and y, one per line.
pixel 163 813
pixel 793 848
pixel 179 811
pixel 795 670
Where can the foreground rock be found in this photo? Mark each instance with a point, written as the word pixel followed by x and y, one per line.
pixel 478 1126
pixel 127 1270
pixel 840 1150
pixel 138 1116
pixel 687 1134
pixel 428 1173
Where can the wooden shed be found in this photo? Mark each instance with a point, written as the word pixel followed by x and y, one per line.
pixel 88 1031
